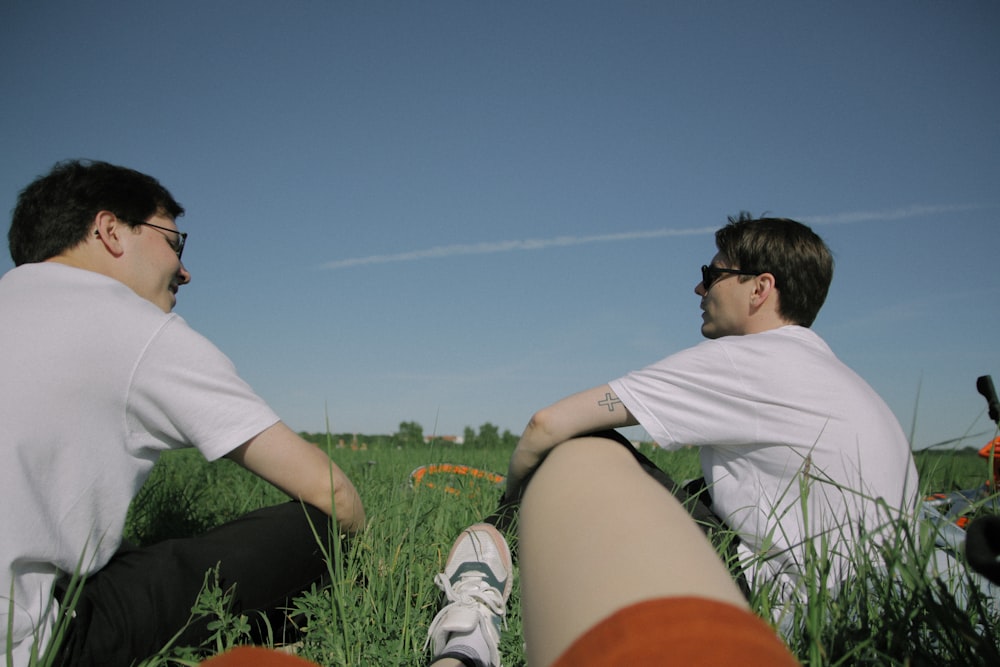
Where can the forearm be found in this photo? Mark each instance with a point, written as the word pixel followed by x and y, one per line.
pixel 304 472
pixel 588 411
pixel 337 497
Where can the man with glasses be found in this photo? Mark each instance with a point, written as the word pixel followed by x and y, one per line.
pixel 794 446
pixel 97 378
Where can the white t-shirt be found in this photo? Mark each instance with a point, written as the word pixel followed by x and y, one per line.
pixel 771 411
pixel 95 382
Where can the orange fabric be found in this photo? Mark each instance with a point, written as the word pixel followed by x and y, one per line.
pixel 255 656
pixel 684 631
pixel 991 447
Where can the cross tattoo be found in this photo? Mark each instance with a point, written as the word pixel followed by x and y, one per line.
pixel 609 402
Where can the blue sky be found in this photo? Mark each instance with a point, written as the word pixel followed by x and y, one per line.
pixel 458 212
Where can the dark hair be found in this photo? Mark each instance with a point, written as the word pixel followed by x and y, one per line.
pixel 797 257
pixel 55 212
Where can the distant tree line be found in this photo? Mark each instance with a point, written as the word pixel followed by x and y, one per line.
pixel 489 436
pixel 411 434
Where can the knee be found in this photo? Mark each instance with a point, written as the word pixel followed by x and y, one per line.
pixel 581 461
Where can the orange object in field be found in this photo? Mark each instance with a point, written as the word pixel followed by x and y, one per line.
pixel 254 656
pixel 993 449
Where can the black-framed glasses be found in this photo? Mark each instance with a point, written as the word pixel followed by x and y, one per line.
pixel 177 245
pixel 709 274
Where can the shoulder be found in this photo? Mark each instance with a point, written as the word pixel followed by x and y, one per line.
pixel 45 301
pixel 788 345
pixel 56 285
pixel 788 337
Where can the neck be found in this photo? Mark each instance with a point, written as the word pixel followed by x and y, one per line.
pixel 80 258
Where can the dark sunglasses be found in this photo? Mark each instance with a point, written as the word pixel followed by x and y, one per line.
pixel 709 274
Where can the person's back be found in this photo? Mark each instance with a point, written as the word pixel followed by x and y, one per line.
pixel 83 357
pixel 56 442
pixel 793 443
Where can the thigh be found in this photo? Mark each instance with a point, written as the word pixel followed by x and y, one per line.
pixel 598 534
pixel 143 597
pixel 698 502
pixel 696 498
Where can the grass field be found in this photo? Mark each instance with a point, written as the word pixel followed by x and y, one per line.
pixel 382 596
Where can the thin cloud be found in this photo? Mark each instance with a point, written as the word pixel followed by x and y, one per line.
pixel 492 247
pixel 439 252
pixel 902 213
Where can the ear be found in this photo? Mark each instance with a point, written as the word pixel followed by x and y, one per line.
pixel 109 230
pixel 764 291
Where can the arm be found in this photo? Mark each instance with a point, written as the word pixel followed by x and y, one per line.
pixel 303 471
pixel 591 410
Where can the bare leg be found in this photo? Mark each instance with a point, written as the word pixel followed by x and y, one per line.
pixel 598 534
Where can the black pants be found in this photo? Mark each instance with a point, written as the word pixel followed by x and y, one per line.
pixel 142 598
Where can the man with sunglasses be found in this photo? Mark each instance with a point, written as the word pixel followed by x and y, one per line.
pixel 793 444
pixel 97 379
pixel 797 452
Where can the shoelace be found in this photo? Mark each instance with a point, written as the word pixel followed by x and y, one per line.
pixel 470 594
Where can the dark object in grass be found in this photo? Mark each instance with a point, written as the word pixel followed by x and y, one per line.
pixel 984 384
pixel 982 547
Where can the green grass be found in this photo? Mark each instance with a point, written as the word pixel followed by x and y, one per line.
pixel 382 596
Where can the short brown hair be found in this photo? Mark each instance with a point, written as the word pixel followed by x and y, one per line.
pixel 795 255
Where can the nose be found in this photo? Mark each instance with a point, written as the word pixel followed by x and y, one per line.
pixel 700 290
pixel 183 275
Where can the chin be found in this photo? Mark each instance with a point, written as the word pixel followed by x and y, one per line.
pixel 710 333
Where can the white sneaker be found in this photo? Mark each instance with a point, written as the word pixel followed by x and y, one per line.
pixel 476 580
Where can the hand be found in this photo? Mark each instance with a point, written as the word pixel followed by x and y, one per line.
pixel 522 463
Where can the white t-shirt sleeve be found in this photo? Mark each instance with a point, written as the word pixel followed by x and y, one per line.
pixel 735 391
pixel 186 392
